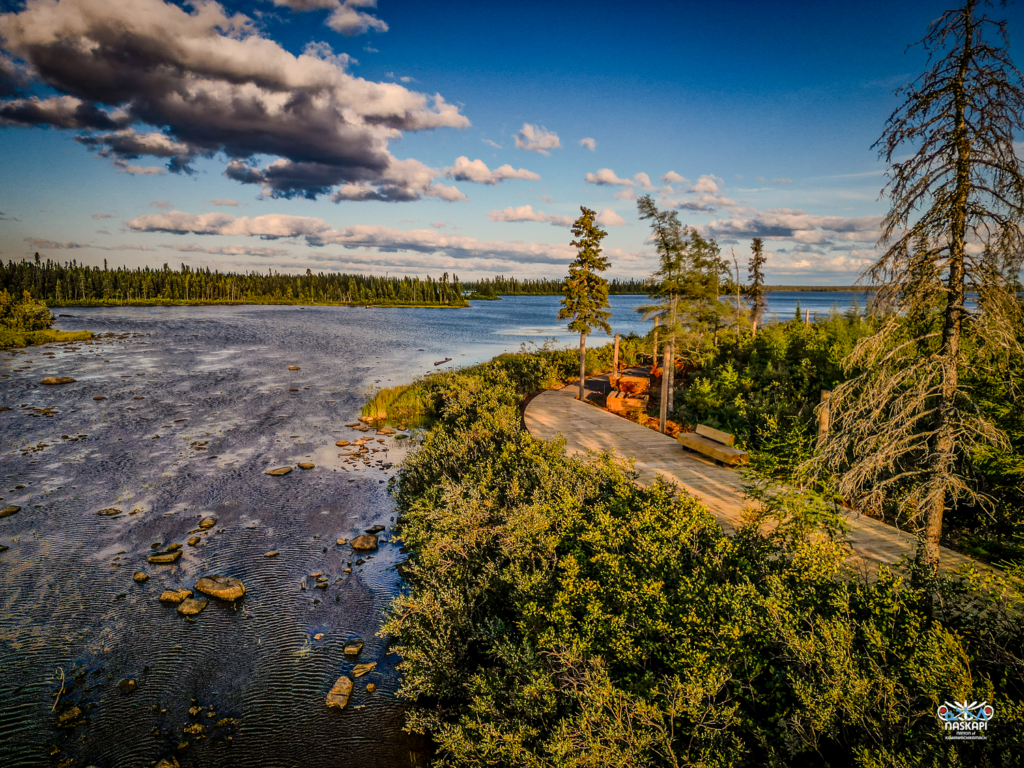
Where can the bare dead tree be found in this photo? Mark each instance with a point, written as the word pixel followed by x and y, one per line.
pixel 904 428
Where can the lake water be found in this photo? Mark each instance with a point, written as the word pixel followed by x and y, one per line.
pixel 199 405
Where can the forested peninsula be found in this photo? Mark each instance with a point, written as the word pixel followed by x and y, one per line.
pixel 79 285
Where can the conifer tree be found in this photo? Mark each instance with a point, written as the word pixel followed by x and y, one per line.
pixel 905 428
pixel 585 303
pixel 756 292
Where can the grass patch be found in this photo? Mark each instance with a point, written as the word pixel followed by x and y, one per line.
pixel 11 339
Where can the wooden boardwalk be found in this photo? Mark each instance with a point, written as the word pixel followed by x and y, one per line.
pixel 587 427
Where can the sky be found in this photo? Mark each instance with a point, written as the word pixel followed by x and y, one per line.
pixel 411 137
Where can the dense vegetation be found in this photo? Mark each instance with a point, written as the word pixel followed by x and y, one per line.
pixel 73 284
pixel 511 286
pixel 559 615
pixel 25 321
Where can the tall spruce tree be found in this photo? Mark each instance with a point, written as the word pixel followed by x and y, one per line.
pixel 904 429
pixel 585 303
pixel 755 291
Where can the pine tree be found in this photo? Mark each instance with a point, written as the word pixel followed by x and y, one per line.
pixel 585 302
pixel 755 292
pixel 905 428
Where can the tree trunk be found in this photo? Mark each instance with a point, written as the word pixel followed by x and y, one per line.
pixel 615 361
pixel 670 375
pixel 942 459
pixel 663 418
pixel 583 363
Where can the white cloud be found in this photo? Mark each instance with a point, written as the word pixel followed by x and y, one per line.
pixel 317 232
pixel 477 171
pixel 590 144
pixel 233 250
pixel 797 226
pixel 625 194
pixel 643 180
pixel 526 213
pixel 494 144
pixel 609 218
pixel 124 166
pixel 536 138
pixel 674 178
pixel 344 18
pixel 707 184
pixel 606 178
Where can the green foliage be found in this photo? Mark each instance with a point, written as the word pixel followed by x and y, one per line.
pixel 500 285
pixel 558 614
pixel 25 314
pixel 585 304
pixel 755 291
pixel 10 339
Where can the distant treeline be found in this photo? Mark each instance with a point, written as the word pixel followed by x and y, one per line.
pixel 72 284
pixel 510 286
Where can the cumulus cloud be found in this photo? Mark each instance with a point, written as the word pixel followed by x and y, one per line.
pixel 797 226
pixel 536 138
pixel 674 178
pixel 477 171
pixel 212 83
pixel 606 178
pixel 344 17
pixel 224 202
pixel 526 213
pixel 590 144
pixel 609 218
pixel 625 194
pixel 319 233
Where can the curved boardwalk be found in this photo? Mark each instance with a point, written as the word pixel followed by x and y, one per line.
pixel 586 427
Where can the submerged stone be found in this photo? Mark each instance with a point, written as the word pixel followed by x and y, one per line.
pixel 175 596
pixel 109 511
pixel 339 695
pixel 365 543
pixel 127 685
pixel 58 380
pixel 279 471
pixel 353 646
pixel 192 607
pixel 10 509
pixel 140 577
pixel 165 558
pixel 207 522
pixel 306 465
pixel 221 587
pixel 361 669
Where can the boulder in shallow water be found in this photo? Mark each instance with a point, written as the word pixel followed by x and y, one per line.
pixel 221 587
pixel 165 558
pixel 68 719
pixel 376 529
pixel 271 553
pixel 9 510
pixel 340 693
pixel 279 471
pixel 306 465
pixel 58 380
pixel 370 687
pixel 342 542
pixel 353 646
pixel 207 522
pixel 362 669
pixel 109 512
pixel 192 607
pixel 294 368
pixel 175 596
pixel 127 685
pixel 140 577
pixel 168 762
pixel 194 541
pixel 365 543
pixel 342 443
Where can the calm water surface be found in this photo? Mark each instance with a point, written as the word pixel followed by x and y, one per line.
pixel 199 404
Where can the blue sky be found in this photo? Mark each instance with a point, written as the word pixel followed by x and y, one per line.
pixel 309 133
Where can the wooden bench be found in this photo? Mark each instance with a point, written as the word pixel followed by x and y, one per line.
pixel 713 443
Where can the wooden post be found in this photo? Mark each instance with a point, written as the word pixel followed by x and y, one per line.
pixel 807 317
pixel 583 366
pixel 823 416
pixel 664 393
pixel 615 361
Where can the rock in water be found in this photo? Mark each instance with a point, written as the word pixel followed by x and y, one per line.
pixel 168 762
pixel 165 558
pixel 109 511
pixel 140 577
pixel 99 397
pixel 294 368
pixel 361 669
pixel 127 686
pixel 175 596
pixel 376 529
pixel 306 465
pixel 68 718
pixel 58 380
pixel 340 693
pixel 353 646
pixel 191 607
pixel 342 542
pixel 194 541
pixel 342 443
pixel 365 543
pixel 370 687
pixel 207 522
pixel 271 553
pixel 279 471
pixel 9 510
pixel 221 587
